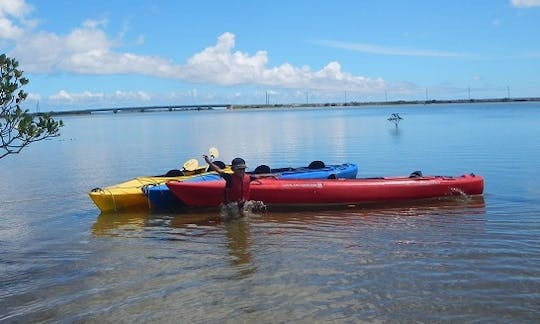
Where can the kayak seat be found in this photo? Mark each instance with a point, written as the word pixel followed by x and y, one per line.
pixel 261 169
pixel 332 176
pixel 416 174
pixel 316 165
pixel 173 173
pixel 220 164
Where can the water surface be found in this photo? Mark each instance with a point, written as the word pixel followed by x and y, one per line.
pixel 460 260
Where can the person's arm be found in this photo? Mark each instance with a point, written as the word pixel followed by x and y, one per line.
pixel 212 165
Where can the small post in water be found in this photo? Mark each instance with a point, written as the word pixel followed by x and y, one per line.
pixel 395 118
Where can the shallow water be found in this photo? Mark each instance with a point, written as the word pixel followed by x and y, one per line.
pixel 459 260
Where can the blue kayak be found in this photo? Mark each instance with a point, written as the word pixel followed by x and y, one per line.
pixel 162 199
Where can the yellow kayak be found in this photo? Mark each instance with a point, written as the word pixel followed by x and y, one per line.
pixel 128 195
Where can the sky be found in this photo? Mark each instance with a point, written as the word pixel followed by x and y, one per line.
pixel 124 53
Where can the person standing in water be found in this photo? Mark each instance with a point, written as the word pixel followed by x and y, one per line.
pixel 236 188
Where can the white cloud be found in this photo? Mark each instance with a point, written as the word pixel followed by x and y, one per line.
pixel 132 95
pixel 36 97
pixel 12 13
pixel 526 3
pixel 387 50
pixel 91 23
pixel 15 8
pixel 85 50
pixel 88 50
pixel 66 98
pixel 40 53
pixel 62 96
pixel 221 65
pixel 140 40
pixel 8 30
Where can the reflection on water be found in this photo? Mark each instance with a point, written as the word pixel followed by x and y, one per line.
pixel 238 239
pixel 395 132
pixel 448 206
pixel 114 224
pixel 129 224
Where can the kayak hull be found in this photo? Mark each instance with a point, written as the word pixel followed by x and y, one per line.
pixel 162 199
pixel 129 195
pixel 294 192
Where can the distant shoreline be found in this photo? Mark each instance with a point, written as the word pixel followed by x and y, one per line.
pixel 391 103
pixel 293 105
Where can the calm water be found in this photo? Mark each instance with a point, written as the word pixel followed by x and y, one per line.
pixel 465 260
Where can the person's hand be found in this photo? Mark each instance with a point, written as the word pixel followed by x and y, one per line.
pixel 206 159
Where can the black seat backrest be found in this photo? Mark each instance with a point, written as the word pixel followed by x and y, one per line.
pixel 316 165
pixel 261 169
pixel 174 173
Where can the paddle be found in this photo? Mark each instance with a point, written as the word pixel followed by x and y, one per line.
pixel 213 153
pixel 191 165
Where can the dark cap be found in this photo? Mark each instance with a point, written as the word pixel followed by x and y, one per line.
pixel 238 163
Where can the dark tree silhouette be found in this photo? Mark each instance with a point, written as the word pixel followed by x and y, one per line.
pixel 19 128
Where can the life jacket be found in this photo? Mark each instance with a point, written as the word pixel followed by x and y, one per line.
pixel 237 189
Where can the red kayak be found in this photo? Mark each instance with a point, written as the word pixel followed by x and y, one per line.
pixel 290 192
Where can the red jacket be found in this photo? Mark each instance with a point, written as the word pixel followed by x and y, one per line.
pixel 237 188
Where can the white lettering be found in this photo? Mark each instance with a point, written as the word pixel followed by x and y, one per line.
pixel 317 185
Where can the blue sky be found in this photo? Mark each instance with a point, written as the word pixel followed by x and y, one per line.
pixel 90 54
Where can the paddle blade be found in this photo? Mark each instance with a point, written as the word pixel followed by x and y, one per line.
pixel 213 153
pixel 191 165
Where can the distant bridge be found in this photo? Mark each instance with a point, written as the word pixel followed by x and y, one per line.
pixel 140 109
